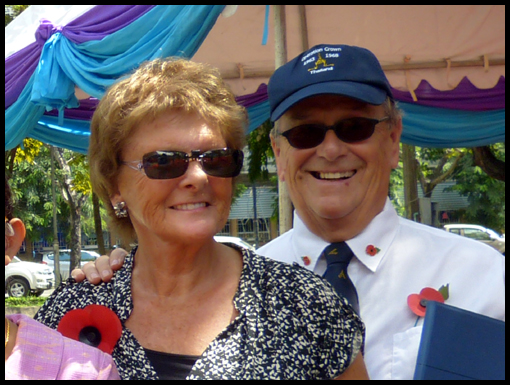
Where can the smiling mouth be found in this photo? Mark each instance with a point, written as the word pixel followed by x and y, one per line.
pixel 333 175
pixel 190 206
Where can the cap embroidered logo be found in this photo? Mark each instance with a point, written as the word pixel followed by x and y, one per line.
pixel 321 62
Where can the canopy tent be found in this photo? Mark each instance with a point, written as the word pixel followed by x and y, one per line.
pixel 450 56
pixel 445 62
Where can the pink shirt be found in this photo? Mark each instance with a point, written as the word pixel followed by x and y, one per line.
pixel 42 353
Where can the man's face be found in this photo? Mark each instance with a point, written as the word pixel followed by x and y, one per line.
pixel 337 188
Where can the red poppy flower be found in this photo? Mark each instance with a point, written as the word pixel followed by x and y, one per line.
pixel 418 302
pixel 372 250
pixel 95 325
pixel 306 260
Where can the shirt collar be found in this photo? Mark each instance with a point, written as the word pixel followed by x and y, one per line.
pixel 370 246
pixel 307 246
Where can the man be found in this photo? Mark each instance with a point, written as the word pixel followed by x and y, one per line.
pixel 339 187
pixel 338 181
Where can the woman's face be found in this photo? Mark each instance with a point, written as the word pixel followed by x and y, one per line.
pixel 189 208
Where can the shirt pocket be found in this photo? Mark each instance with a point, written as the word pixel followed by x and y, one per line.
pixel 405 353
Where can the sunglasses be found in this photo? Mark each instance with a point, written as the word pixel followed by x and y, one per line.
pixel 223 163
pixel 348 130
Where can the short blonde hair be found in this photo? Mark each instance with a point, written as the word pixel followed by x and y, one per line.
pixel 155 88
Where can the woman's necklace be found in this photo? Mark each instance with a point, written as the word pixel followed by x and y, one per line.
pixel 8 332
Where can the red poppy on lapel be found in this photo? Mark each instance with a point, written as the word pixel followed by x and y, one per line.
pixel 95 325
pixel 418 302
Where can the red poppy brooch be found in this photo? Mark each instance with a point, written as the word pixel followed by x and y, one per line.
pixel 372 250
pixel 418 302
pixel 95 325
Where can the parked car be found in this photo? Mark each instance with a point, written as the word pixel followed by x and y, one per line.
pixel 65 260
pixel 23 278
pixel 233 240
pixel 479 233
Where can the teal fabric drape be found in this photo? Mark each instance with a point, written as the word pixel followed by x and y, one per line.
pixel 446 128
pixel 165 30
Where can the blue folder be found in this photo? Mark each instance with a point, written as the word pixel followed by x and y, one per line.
pixel 460 345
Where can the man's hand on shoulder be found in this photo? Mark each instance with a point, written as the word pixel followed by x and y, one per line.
pixel 102 269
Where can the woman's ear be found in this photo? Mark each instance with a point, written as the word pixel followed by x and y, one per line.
pixel 14 241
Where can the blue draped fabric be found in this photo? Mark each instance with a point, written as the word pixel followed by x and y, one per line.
pixel 444 128
pixel 165 30
pixel 73 134
pixel 423 126
pixel 258 114
pixel 108 42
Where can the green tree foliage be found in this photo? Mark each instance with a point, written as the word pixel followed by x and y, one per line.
pixel 396 188
pixel 436 165
pixel 486 195
pixel 261 153
pixel 261 156
pixel 12 11
pixel 31 185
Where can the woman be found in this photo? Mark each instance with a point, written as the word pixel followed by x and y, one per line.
pixel 36 352
pixel 165 148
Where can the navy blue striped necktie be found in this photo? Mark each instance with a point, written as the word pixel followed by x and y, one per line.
pixel 338 255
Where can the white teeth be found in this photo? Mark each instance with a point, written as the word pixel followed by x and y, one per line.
pixel 335 175
pixel 190 206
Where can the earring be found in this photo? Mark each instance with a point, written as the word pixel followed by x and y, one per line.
pixel 120 210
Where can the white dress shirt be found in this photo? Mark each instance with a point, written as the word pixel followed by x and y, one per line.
pixel 408 257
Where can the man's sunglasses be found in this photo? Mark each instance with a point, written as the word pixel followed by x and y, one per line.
pixel 348 130
pixel 223 163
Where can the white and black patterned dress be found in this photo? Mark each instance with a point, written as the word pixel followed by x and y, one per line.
pixel 291 325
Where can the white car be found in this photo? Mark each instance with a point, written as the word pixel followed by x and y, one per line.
pixel 65 260
pixel 23 278
pixel 233 240
pixel 479 233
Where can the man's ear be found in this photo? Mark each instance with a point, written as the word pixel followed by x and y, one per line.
pixel 14 241
pixel 280 168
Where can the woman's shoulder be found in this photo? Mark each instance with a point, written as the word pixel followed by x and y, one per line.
pixel 297 305
pixel 296 287
pixel 72 295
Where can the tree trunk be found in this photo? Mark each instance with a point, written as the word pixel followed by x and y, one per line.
pixel 75 201
pixel 485 159
pixel 56 252
pixel 280 29
pixel 29 250
pixel 97 224
pixel 75 237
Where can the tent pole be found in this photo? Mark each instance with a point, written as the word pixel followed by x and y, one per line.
pixel 285 205
pixel 304 27
pixel 280 35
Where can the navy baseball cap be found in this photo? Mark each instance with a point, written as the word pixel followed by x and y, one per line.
pixel 328 69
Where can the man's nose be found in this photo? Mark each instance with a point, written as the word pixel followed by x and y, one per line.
pixel 332 147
